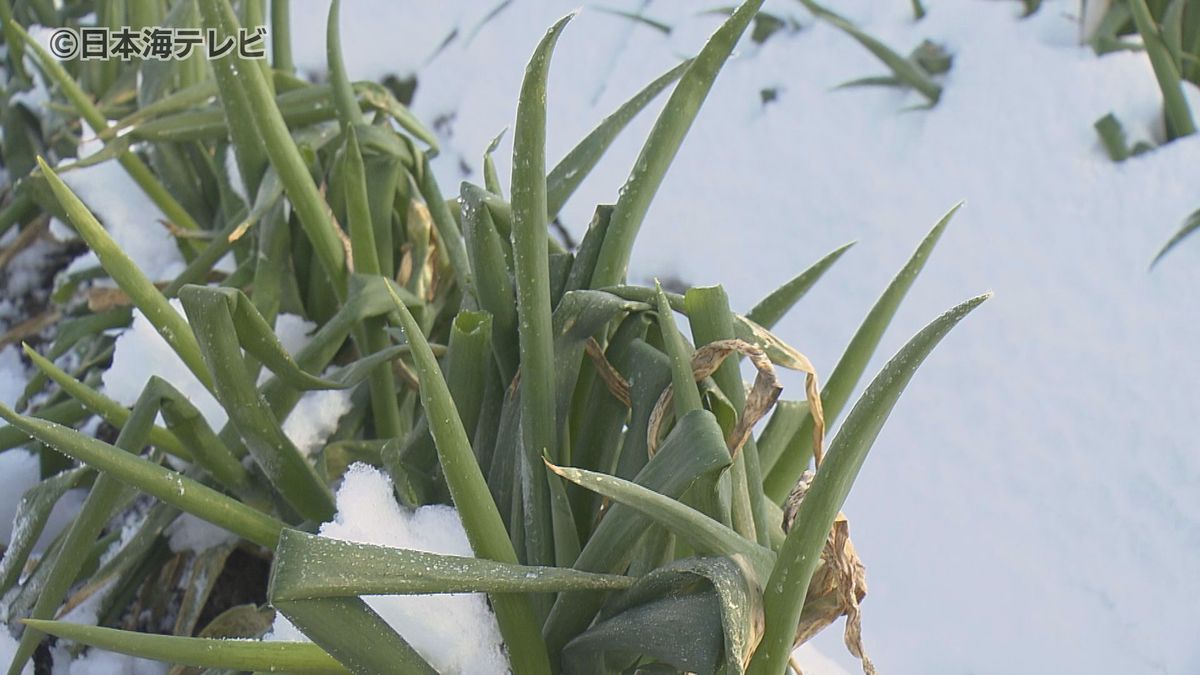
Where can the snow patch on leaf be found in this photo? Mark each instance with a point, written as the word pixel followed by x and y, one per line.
pixel 456 633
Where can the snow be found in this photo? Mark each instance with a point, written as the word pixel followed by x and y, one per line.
pixel 20 468
pixel 316 417
pixel 1029 505
pixel 189 533
pixel 293 331
pixel 133 221
pixel 141 353
pixel 456 633
pixel 8 648
pixel 316 414
pixel 131 522
pixel 375 48
pixel 19 471
pixel 25 274
pixel 87 612
pixel 12 375
pixel 100 662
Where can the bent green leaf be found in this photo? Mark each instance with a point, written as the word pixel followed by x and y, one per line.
pixel 308 567
pixel 703 533
pixel 249 655
pixel 225 323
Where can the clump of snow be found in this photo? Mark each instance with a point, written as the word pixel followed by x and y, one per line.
pixel 20 470
pixel 140 353
pixel 61 516
pixel 189 533
pixel 12 375
pixel 99 662
pixel 456 633
pixel 133 221
pixel 64 232
pixel 24 276
pixel 87 612
pixel 8 649
pixel 316 414
pixel 294 332
pixel 131 522
pixel 36 97
pixel 315 417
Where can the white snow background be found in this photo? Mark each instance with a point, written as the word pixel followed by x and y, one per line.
pixel 1031 505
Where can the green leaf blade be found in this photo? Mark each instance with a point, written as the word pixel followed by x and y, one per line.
pixel 168 486
pixel 469 491
pixel 572 169
pixel 221 328
pixel 851 366
pixel 252 655
pixel 663 144
pixel 309 567
pixel 169 324
pixel 772 308
pixel 532 272
pixel 788 586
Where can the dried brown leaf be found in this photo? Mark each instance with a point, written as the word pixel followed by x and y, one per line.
pixel 240 230
pixel 406 374
pixel 404 271
pixel 103 298
pixel 762 396
pixel 789 357
pixel 28 327
pixel 617 385
pixel 838 585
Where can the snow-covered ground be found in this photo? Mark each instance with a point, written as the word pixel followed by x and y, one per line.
pixel 1031 505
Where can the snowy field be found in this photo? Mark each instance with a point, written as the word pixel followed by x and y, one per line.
pixel 1031 506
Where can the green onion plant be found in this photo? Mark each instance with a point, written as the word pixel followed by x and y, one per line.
pixel 624 514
